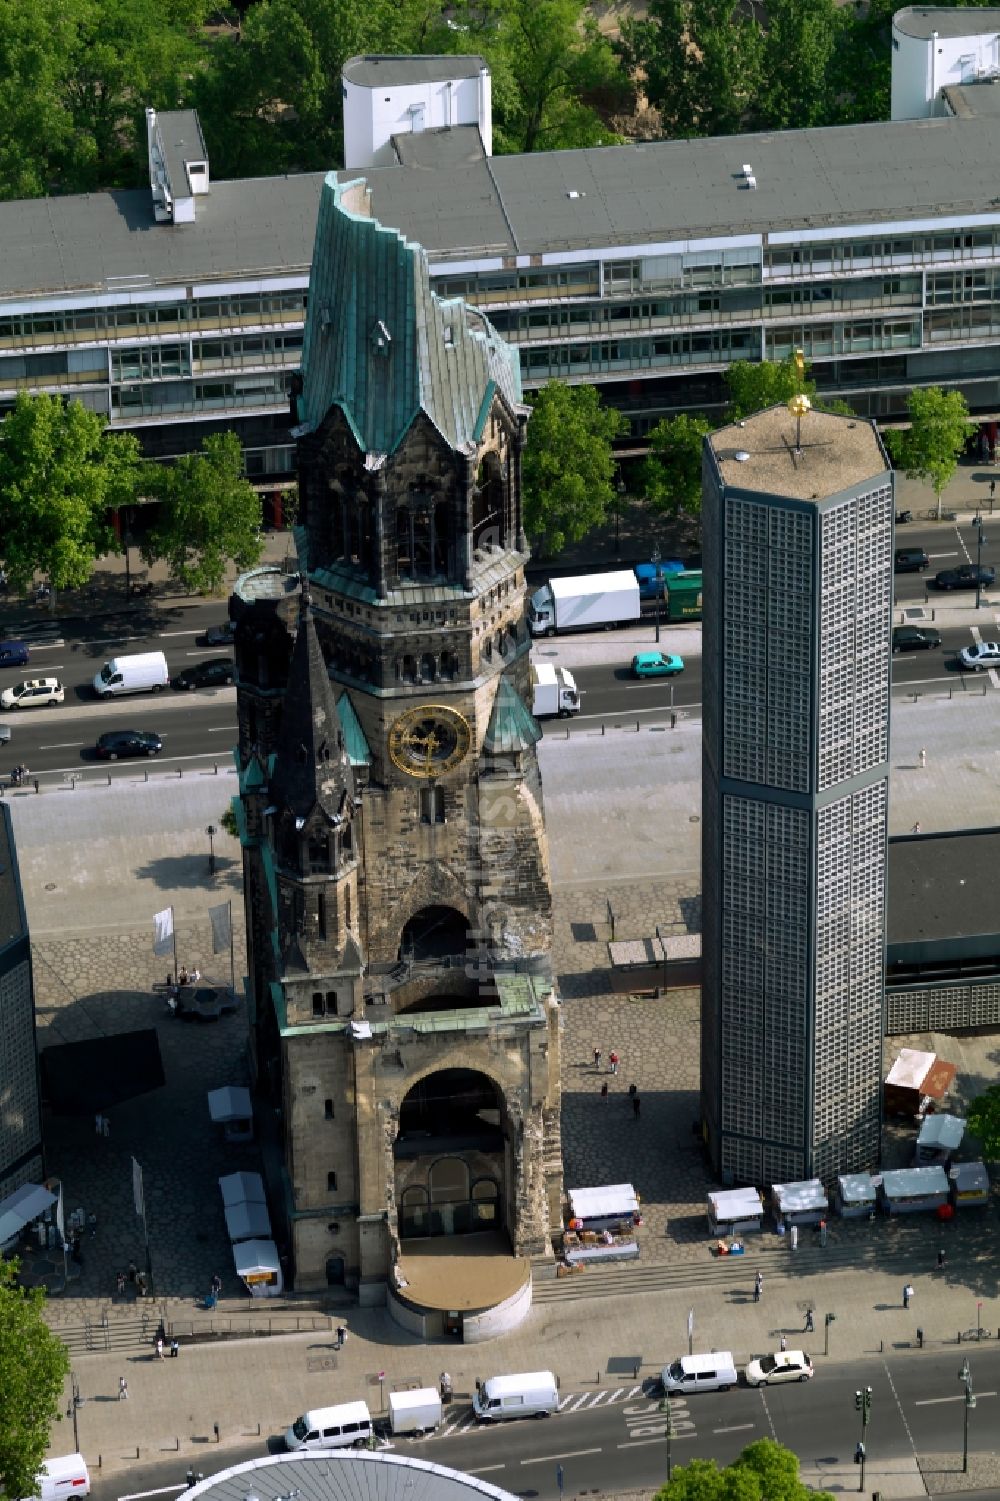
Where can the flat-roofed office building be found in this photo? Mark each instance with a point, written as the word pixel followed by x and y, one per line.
pixel 797 616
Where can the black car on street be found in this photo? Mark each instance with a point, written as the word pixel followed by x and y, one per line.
pixel 214 674
pixel 116 743
pixel 914 638
pixel 968 576
pixel 220 635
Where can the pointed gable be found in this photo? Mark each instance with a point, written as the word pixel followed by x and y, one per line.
pixel 382 346
pixel 312 766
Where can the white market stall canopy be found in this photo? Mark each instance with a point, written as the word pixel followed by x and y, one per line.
pixel 21 1207
pixel 248 1222
pixel 230 1103
pixel 915 1183
pixel 735 1204
pixel 800 1198
pixel 617 1201
pixel 970 1182
pixel 942 1132
pixel 910 1069
pixel 257 1265
pixel 242 1188
pixel 856 1188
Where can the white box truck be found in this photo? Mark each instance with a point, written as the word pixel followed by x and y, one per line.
pixel 588 602
pixel 553 691
pixel 144 672
pixel 415 1412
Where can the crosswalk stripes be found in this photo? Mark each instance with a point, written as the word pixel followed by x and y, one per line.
pixel 574 1402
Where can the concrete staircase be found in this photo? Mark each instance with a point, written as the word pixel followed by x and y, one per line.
pixel 129 1335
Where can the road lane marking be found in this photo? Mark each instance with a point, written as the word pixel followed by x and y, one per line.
pixel 166 1490
pixel 64 745
pixel 546 1459
pixel 736 1428
pixel 935 1401
pixel 637 1443
pixel 574 1402
pixel 482 1470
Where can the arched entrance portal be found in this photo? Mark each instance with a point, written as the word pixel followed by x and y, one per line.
pixel 450 1156
pixel 434 933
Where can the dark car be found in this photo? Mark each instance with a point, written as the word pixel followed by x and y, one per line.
pixel 214 674
pixel 116 743
pixel 910 560
pixel 13 654
pixel 220 635
pixel 969 576
pixel 914 638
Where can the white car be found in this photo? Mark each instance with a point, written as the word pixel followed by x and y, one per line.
pixel 783 1365
pixel 981 655
pixel 33 694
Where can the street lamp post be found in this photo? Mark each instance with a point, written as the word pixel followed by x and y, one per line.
pixel 828 1320
pixel 863 1403
pixel 656 585
pixel 619 497
pixel 965 1376
pixel 979 559
pixel 668 1432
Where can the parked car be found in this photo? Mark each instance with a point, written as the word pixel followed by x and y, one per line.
pixel 116 743
pixel 656 664
pixel 914 638
pixel 213 674
pixel 220 635
pixel 968 576
pixel 975 658
pixel 13 654
pixel 783 1365
pixel 34 693
pixel 910 560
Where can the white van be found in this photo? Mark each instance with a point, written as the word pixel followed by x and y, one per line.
pixel 701 1373
pixel 532 1394
pixel 144 672
pixel 65 1476
pixel 331 1428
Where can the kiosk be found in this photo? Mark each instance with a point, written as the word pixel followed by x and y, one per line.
pixel 911 1190
pixel 258 1267
pixel 230 1108
pixel 804 1203
pixel 734 1211
pixel 855 1196
pixel 938 1138
pixel 970 1184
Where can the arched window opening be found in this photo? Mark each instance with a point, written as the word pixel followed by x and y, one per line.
pixel 488 505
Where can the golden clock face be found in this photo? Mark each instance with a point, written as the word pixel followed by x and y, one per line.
pixel 429 740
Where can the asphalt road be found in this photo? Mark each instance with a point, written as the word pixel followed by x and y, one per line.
pixel 917 1408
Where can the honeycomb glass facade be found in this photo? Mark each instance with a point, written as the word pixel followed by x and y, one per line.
pixel 796 734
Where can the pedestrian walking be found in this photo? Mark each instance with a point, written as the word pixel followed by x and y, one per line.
pixel 636 1103
pixel 632 1091
pixel 341 1336
pixel 916 827
pixel 216 1286
pixel 120 1284
pixel 810 1326
pixel 782 1343
pixel 907 1294
pixel 122 1389
pixel 597 1057
pixel 159 1347
pixel 941 1260
pixel 98 1123
pixel 604 1090
pixel 758 1286
pixel 175 1349
pixel 613 1061
pixel 105 1126
pixel 993 488
pixel 923 758
pixel 133 1271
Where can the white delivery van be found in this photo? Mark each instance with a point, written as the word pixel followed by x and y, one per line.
pixel 145 672
pixel 414 1412
pixel 66 1475
pixel 701 1373
pixel 341 1427
pixel 532 1394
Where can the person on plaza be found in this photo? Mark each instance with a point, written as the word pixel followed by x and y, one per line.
pixel 633 1090
pixel 140 1284
pixel 120 1284
pixel 613 1061
pixel 175 1348
pixel 341 1336
pixel 810 1326
pixel 907 1294
pixel 604 1090
pixel 133 1271
pixel 105 1126
pixel 758 1286
pixel 159 1346
pixel 216 1286
pixel 597 1057
pixel 782 1343
pixel 445 1386
pixel 636 1104
pixel 122 1389
pixel 182 978
pixel 941 1259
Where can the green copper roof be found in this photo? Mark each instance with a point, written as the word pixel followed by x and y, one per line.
pixel 382 346
pixel 511 727
pixel 354 736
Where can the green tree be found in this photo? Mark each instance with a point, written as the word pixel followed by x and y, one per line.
pixel 33 1369
pixel 60 473
pixel 568 466
pixel 983 1117
pixel 209 515
pixel 930 448
pixel 702 62
pixel 756 384
pixel 800 44
pixel 765 1471
pixel 671 475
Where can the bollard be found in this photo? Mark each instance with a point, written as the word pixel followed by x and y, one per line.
pixel 603 728
pixel 215 1429
pixel 216 768
pixel 145 773
pixel 37 788
pixel 109 779
pixel 673 720
pixel 180 773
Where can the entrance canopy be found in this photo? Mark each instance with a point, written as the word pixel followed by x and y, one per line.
pixel 21 1207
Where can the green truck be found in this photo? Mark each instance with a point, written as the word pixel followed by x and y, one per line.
pixel 684 595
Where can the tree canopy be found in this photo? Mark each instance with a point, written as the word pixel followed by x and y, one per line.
pixel 930 448
pixel 60 475
pixel 983 1118
pixel 568 466
pixel 33 1369
pixel 209 514
pixel 754 385
pixel 765 1471
pixel 671 475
